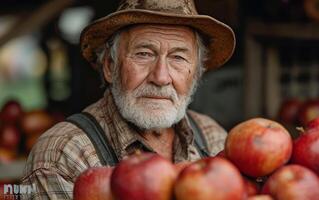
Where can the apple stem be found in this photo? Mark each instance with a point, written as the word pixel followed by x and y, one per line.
pixel 300 129
pixel 260 179
pixel 138 152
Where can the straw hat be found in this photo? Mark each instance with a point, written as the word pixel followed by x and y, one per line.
pixel 174 12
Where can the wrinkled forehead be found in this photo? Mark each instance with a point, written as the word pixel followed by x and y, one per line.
pixel 161 27
pixel 181 34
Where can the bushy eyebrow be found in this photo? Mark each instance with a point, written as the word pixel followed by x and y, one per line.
pixel 180 49
pixel 153 47
pixel 145 45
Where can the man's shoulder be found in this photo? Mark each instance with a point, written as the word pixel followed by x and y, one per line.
pixel 97 109
pixel 213 132
pixel 204 121
pixel 65 147
pixel 66 137
pixel 59 135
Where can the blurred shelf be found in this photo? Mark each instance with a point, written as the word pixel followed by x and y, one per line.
pixel 13 170
pixel 284 30
pixel 262 89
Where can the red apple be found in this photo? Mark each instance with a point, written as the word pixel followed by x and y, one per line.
pixel 258 146
pixel 143 176
pixel 210 178
pixel 7 156
pixel 293 182
pixel 306 147
pixel 260 197
pixel 288 112
pixel 30 141
pixel 181 166
pixel 11 112
pixel 313 124
pixel 10 137
pixel 308 111
pixel 221 153
pixel 36 122
pixel 93 184
pixel 251 187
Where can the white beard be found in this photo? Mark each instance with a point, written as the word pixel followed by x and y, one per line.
pixel 150 114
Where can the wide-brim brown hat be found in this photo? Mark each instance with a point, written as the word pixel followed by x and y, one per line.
pixel 221 42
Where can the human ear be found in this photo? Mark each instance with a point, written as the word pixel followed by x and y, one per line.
pixel 107 71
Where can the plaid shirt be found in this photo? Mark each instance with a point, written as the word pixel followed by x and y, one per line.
pixel 64 151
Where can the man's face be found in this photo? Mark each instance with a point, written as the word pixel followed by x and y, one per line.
pixel 154 77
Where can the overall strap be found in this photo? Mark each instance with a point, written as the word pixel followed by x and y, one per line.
pixel 96 134
pixel 200 141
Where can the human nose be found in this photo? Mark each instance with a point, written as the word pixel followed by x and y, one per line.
pixel 160 73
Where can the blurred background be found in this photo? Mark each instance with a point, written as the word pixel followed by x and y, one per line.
pixel 274 72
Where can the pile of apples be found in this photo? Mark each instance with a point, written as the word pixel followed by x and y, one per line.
pixel 260 161
pixel 294 111
pixel 19 129
pixel 10 134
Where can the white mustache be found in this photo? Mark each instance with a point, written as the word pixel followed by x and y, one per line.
pixel 153 90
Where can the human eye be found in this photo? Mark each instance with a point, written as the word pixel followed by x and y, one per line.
pixel 179 58
pixel 144 54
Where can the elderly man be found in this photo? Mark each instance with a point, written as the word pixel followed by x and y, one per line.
pixel 151 54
